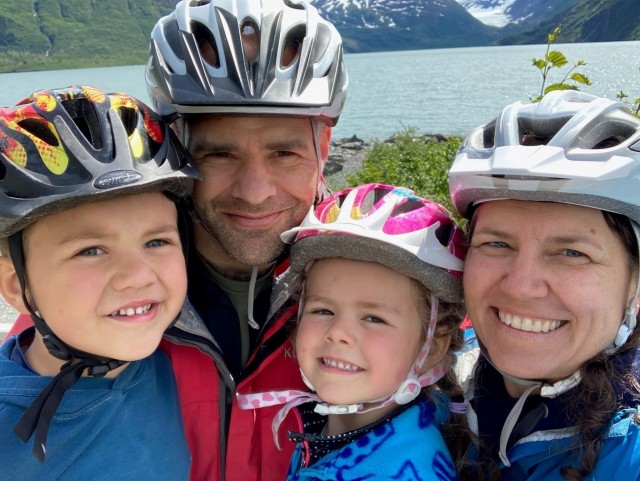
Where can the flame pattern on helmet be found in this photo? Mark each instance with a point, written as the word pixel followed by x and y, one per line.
pixel 63 147
pixel 43 107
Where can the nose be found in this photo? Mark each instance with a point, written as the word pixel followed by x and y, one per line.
pixel 524 277
pixel 132 271
pixel 255 182
pixel 340 330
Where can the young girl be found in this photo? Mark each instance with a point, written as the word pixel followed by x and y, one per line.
pixel 378 272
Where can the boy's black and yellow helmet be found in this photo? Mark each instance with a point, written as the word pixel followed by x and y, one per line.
pixel 60 148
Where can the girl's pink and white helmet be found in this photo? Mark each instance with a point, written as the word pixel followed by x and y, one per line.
pixel 389 225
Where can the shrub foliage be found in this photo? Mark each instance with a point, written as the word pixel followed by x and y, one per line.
pixel 420 162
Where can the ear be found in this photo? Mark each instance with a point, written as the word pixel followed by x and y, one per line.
pixel 325 141
pixel 438 350
pixel 9 285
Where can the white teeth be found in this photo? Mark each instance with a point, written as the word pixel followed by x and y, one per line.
pixel 130 311
pixel 340 365
pixel 528 324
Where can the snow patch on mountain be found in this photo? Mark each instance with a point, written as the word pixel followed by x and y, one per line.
pixel 489 12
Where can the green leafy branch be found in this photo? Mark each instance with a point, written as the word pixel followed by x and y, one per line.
pixel 556 59
pixel 633 106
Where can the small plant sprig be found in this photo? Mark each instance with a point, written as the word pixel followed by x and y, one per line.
pixel 633 106
pixel 556 59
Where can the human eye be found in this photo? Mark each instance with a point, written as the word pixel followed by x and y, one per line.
pixel 157 243
pixel 285 158
pixel 313 307
pixel 90 251
pixel 375 320
pixel 321 311
pixel 168 237
pixel 213 157
pixel 284 153
pixel 489 244
pixel 572 253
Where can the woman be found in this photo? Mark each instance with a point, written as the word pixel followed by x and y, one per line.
pixel 552 192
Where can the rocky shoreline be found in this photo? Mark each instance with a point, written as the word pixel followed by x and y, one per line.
pixel 345 157
pixel 347 154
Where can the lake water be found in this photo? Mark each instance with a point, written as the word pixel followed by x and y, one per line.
pixel 447 91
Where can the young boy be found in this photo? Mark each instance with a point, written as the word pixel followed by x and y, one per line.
pixel 91 249
pixel 379 273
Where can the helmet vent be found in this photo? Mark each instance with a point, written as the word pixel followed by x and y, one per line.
pixel 445 233
pixel 323 37
pixel 40 130
pixel 83 114
pixel 250 40
pixel 206 44
pixel 405 207
pixel 606 134
pixel 172 35
pixel 199 3
pixel 129 119
pixel 524 177
pixel 291 46
pixel 539 132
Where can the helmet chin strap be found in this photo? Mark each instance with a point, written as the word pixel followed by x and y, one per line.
pixel 406 392
pixel 322 191
pixel 546 390
pixel 626 328
pixel 39 414
pixel 631 314
pixel 410 387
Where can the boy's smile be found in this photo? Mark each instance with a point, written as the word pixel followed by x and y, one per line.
pixel 107 277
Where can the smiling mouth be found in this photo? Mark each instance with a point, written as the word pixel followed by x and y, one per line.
pixel 130 311
pixel 253 221
pixel 345 366
pixel 528 324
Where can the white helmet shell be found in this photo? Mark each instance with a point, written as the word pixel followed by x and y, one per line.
pixel 571 147
pixel 271 57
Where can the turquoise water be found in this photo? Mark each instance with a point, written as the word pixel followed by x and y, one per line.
pixel 437 91
pixel 446 91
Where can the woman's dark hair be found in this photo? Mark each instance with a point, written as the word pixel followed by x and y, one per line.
pixel 605 377
pixel 456 432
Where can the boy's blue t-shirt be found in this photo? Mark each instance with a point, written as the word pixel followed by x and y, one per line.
pixel 124 428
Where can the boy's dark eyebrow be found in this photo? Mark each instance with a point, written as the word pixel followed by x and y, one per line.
pixel 92 234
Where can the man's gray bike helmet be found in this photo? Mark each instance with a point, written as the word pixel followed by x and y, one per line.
pixel 278 57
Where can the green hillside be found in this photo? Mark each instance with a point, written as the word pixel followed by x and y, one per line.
pixel 56 34
pixel 589 21
pixel 59 34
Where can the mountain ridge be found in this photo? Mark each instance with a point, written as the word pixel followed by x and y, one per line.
pixel 59 34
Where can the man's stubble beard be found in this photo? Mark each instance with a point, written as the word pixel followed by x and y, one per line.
pixel 256 247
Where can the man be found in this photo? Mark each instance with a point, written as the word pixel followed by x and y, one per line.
pixel 254 88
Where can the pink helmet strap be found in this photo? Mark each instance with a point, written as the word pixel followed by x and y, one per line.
pixel 405 393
